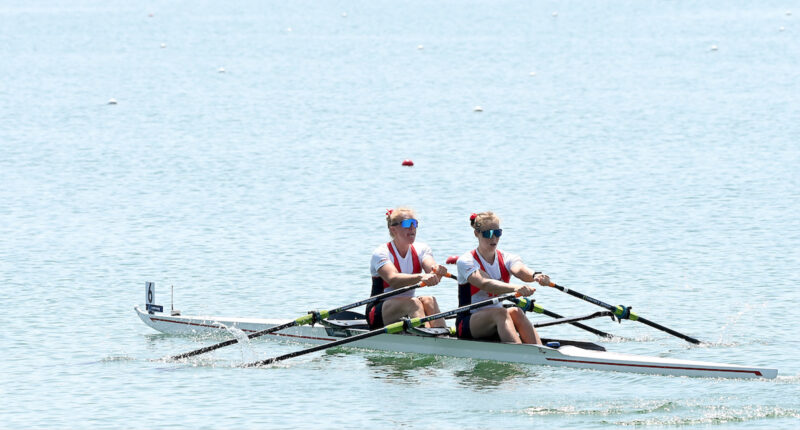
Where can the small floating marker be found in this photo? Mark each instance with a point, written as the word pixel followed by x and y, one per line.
pixel 344 14
pixel 788 13
pixel 477 109
pixel 408 162
pixel 452 259
pixel 163 45
pixel 533 73
pixel 555 14
pixel 221 70
pixel 112 101
pixel 289 30
pixel 420 47
pixel 781 29
pixel 713 47
pixel 149 15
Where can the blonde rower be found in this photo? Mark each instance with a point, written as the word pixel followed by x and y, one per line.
pixel 399 263
pixel 485 272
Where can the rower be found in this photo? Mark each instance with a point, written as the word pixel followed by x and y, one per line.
pixel 485 272
pixel 399 263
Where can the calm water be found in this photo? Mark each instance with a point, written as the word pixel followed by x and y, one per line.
pixel 627 158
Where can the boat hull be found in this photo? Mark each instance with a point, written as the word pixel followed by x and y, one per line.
pixel 564 356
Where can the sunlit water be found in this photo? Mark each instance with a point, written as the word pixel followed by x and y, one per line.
pixel 645 153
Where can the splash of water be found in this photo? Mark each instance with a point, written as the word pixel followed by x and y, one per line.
pixel 116 358
pixel 712 414
pixel 245 347
pixel 606 409
pixel 726 330
pixel 669 413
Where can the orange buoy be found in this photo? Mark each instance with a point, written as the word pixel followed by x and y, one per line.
pixel 408 162
pixel 452 259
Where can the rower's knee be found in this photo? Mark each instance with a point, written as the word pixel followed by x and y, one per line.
pixel 516 313
pixel 427 300
pixel 501 317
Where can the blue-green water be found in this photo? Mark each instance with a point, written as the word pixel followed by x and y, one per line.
pixel 627 158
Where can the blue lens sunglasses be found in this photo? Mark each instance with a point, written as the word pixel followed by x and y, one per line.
pixel 489 233
pixel 407 223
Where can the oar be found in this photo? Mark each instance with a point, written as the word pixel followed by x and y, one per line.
pixel 454 258
pixel 540 310
pixel 572 319
pixel 305 319
pixel 389 329
pixel 624 312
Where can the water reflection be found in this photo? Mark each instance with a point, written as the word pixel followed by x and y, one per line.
pixel 490 375
pixel 415 368
pixel 403 367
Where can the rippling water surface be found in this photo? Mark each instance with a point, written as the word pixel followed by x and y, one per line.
pixel 641 152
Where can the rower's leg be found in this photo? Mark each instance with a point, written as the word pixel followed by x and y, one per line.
pixel 487 322
pixel 523 326
pixel 431 307
pixel 400 307
pixel 506 330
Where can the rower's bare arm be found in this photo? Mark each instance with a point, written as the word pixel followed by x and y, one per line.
pixel 396 279
pixel 525 274
pixel 481 280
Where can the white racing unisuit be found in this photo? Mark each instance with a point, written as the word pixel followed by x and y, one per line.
pixel 582 355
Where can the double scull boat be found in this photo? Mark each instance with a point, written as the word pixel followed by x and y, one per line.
pixel 582 355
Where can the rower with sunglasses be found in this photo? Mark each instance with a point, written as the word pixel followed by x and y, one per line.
pixel 485 272
pixel 400 263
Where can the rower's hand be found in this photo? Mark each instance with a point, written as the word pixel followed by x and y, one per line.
pixel 430 279
pixel 525 291
pixel 542 279
pixel 439 270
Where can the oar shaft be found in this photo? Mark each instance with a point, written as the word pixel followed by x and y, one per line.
pixel 620 312
pixel 316 348
pixel 540 310
pixel 572 320
pixel 580 325
pixel 232 341
pixel 373 299
pixel 667 330
pixel 416 322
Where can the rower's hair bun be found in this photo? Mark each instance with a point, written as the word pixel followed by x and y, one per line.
pixel 479 220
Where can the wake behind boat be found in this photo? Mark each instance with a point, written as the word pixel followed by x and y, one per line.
pixel 563 353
